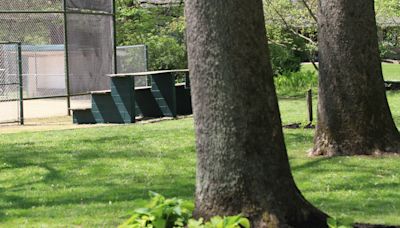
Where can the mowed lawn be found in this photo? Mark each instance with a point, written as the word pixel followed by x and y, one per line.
pixel 95 177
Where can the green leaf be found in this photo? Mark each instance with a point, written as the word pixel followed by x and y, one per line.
pixel 178 210
pixel 158 212
pixel 131 220
pixel 159 223
pixel 144 211
pixel 188 205
pixel 162 212
pixel 216 220
pixel 179 223
pixel 244 222
pixel 196 223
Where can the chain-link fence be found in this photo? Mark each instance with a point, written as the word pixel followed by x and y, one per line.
pixel 31 5
pixel 133 59
pixel 10 83
pixel 42 38
pixel 68 47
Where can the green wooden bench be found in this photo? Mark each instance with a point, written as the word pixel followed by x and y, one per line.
pixel 122 103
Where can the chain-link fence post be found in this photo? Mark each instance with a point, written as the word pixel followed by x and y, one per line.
pixel 115 37
pixel 67 82
pixel 21 84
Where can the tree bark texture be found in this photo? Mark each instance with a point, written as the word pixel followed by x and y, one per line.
pixel 353 113
pixel 242 164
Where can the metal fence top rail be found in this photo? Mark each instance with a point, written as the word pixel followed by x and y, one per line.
pixel 29 48
pixel 68 11
pixel 10 42
pixel 131 46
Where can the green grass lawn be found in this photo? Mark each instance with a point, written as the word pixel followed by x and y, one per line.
pixel 294 110
pixel 296 84
pixel 95 177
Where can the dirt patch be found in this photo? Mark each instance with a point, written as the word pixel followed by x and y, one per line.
pixel 65 123
pixel 45 124
pixel 43 108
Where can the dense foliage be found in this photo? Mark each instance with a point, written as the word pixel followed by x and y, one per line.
pixel 299 19
pixel 168 213
pixel 291 27
pixel 161 212
pixel 292 34
pixel 160 28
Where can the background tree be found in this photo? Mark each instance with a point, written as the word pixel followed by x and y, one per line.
pixel 242 161
pixel 161 28
pixel 292 29
pixel 353 112
pixel 292 25
pixel 388 15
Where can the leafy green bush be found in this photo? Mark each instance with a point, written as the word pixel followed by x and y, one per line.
pixel 296 83
pixel 283 59
pixel 386 49
pixel 162 29
pixel 221 222
pixel 160 213
pixel 165 53
pixel 174 213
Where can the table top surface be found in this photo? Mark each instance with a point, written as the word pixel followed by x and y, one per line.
pixel 147 73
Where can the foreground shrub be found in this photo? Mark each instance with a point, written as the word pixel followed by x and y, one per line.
pixel 219 222
pixel 171 213
pixel 160 213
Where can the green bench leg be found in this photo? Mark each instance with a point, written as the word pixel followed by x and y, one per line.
pixel 123 94
pixel 163 89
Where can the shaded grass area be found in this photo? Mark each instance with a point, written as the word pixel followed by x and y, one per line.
pixel 92 177
pixel 363 188
pixel 95 177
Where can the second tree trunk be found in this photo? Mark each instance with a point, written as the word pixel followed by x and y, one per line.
pixel 353 113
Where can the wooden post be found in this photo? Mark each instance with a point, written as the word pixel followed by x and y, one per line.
pixel 309 105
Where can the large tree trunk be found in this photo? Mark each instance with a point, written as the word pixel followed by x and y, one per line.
pixel 242 162
pixel 353 113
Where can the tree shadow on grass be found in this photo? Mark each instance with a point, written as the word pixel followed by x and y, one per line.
pixel 359 186
pixel 63 166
